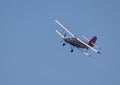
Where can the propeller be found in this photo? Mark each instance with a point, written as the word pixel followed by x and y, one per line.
pixel 64 35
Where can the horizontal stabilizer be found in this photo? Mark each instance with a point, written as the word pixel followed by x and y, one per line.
pixel 59 33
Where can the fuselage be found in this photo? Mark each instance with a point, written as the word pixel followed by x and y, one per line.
pixel 75 42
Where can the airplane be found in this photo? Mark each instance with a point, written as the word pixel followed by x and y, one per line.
pixel 76 42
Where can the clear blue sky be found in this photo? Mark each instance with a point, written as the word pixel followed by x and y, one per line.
pixel 31 52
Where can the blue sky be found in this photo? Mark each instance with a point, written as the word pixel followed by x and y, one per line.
pixel 31 52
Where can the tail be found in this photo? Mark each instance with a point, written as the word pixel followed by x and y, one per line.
pixel 92 41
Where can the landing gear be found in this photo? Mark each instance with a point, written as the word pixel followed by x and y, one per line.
pixel 72 50
pixel 63 44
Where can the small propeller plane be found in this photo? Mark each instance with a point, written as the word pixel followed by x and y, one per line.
pixel 76 42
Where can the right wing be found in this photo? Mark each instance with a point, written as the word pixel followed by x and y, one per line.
pixel 65 28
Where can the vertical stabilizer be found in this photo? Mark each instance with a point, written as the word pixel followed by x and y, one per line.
pixel 92 41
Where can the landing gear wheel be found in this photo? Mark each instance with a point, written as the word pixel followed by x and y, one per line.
pixel 71 50
pixel 63 44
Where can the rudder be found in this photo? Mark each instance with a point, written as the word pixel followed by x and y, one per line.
pixel 92 41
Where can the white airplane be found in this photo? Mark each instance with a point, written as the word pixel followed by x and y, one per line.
pixel 76 42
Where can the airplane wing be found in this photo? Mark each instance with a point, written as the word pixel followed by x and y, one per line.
pixel 65 28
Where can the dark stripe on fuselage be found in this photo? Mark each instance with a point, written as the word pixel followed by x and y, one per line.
pixel 75 42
